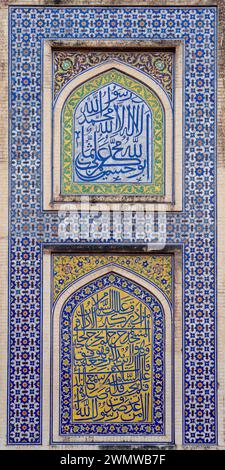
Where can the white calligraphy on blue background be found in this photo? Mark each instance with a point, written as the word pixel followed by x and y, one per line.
pixel 112 137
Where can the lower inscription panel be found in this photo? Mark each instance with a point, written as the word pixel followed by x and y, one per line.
pixel 111 346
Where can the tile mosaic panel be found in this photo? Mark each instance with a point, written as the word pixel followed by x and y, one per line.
pixel 30 228
pixel 68 64
pixel 112 345
pixel 112 138
pixel 155 268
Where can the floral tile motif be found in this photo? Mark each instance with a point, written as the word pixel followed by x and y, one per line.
pixel 155 268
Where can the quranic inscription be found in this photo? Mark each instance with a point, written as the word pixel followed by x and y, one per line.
pixel 112 138
pixel 158 64
pixel 112 346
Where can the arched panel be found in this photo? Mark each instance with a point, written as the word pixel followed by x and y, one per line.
pixel 113 133
pixel 115 356
pixel 112 334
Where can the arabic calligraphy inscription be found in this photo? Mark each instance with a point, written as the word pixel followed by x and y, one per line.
pixel 112 341
pixel 156 63
pixel 113 137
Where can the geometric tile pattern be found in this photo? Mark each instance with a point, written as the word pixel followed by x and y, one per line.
pixel 194 229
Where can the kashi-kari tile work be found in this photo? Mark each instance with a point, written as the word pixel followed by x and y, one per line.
pixel 31 228
pixel 112 133
pixel 113 345
pixel 158 64
pixel 156 268
pixel 113 123
pixel 111 381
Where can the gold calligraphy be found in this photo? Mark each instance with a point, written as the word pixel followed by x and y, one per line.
pixel 112 358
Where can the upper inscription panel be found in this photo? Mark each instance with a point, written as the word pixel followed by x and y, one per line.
pixel 113 122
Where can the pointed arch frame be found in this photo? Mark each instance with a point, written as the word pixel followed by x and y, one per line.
pixel 55 351
pixel 167 133
pixel 173 200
